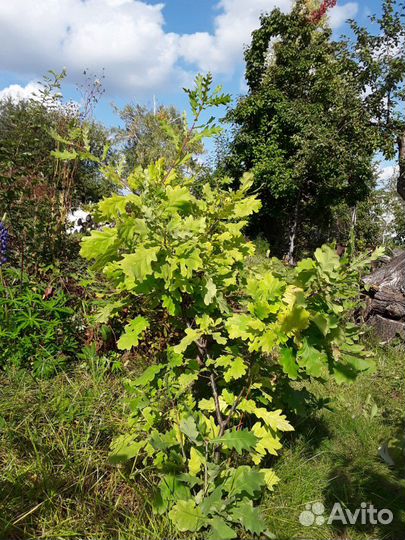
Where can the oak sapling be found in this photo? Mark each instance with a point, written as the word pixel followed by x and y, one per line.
pixel 202 420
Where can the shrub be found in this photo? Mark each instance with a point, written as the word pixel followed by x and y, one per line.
pixel 202 420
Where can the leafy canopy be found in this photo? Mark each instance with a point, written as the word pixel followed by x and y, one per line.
pixel 302 130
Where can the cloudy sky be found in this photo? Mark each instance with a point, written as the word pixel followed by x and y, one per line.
pixel 146 48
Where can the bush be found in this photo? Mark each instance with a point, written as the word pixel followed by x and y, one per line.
pixel 203 422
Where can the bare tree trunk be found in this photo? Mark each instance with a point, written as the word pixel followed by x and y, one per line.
pixel 293 234
pixel 401 178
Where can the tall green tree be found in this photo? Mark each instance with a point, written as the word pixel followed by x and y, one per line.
pixel 301 129
pixel 376 59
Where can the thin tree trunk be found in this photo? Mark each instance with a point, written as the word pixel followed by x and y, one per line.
pixel 401 178
pixel 293 234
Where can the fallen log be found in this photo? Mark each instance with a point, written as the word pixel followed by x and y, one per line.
pixel 385 290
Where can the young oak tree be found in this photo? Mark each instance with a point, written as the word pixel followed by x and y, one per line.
pixel 203 422
pixel 301 129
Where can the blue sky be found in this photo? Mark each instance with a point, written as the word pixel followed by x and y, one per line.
pixel 147 48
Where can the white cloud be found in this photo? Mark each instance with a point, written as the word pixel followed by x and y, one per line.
pixel 220 51
pixel 340 13
pixel 124 36
pixel 128 39
pixel 18 93
pixel 387 173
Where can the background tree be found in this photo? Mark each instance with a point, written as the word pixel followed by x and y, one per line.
pixel 37 192
pixel 150 134
pixel 301 129
pixel 376 59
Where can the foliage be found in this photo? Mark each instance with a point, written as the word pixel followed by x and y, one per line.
pixel 302 130
pixel 148 135
pixel 37 192
pixel 317 15
pixel 202 420
pixel 37 329
pixel 376 59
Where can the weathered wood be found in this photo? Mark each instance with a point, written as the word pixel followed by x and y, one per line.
pixel 387 329
pixel 385 288
pixel 391 275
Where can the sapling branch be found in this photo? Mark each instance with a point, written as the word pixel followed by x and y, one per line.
pixel 245 390
pixel 201 357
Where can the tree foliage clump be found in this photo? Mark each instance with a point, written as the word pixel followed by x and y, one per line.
pixel 37 192
pixel 150 134
pixel 302 130
pixel 203 420
pixel 376 59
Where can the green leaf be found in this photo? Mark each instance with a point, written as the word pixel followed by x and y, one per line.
pixel 137 266
pixel 244 326
pixel 191 336
pixel 187 379
pixel 244 479
pixel 214 502
pixel 322 322
pixel 108 311
pixel 125 448
pixel 186 516
pixel 347 369
pixel 313 361
pixel 196 461
pixel 274 419
pixel 247 181
pixel 288 363
pixel 211 292
pixel 116 205
pixel 236 370
pixel 247 206
pixel 98 243
pixel 220 530
pixel 237 440
pixel 294 320
pixel 249 517
pixel 190 263
pixel 178 197
pixel 171 489
pixel 189 428
pixel 148 375
pixel 133 331
pixel 267 443
pixel 328 259
pixel 270 478
pixel 65 155
pixel 169 304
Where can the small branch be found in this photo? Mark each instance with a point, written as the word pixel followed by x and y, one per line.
pixel 202 354
pixel 242 393
pixel 217 404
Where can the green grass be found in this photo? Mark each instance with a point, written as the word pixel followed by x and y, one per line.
pixel 333 457
pixel 56 482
